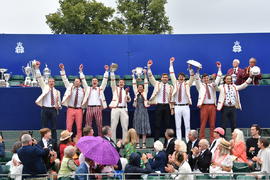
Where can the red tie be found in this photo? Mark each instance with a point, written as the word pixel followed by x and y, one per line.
pixel 164 93
pixel 208 92
pixel 76 97
pixel 120 96
pixel 180 93
pixel 52 98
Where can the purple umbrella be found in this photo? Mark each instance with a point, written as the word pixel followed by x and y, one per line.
pixel 99 150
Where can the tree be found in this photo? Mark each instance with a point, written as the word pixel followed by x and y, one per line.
pixel 91 17
pixel 144 16
pixel 83 17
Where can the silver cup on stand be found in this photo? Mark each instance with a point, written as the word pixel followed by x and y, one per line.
pixel 138 71
pixel 46 73
pixel 27 71
pixel 7 77
pixel 34 82
pixel 2 80
pixel 113 67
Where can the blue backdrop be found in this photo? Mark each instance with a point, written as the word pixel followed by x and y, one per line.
pixel 130 51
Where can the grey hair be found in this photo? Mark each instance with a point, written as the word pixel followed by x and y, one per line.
pixel 158 146
pixel 205 142
pixel 236 60
pixel 170 132
pixel 194 133
pixel 26 138
pixel 69 151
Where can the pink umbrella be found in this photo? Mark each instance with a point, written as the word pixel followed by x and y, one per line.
pixel 99 150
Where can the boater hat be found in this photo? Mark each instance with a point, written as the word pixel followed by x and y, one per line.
pixel 65 135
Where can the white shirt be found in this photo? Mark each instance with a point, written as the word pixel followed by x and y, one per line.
pixel 215 144
pixel 47 101
pixel 230 99
pixel 73 96
pixel 264 154
pixel 45 142
pixel 94 97
pixel 160 95
pixel 184 97
pixel 211 91
pixel 123 103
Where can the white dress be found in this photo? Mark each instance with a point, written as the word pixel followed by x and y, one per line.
pixel 227 162
pixel 15 170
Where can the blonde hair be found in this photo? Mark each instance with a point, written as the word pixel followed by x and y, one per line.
pixel 158 146
pixel 239 136
pixel 131 137
pixel 182 144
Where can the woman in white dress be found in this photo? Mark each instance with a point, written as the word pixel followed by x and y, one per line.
pixel 15 163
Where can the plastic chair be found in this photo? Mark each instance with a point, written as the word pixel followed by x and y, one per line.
pixel 241 177
pixel 224 177
pixel 240 167
pixel 205 176
pixel 17 77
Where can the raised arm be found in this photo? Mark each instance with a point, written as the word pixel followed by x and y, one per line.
pixel 171 69
pixel 105 78
pixel 218 78
pixel 150 74
pixel 191 76
pixel 198 82
pixel 63 75
pixel 82 77
pixel 134 84
pixel 145 82
pixel 113 82
pixel 39 76
pixel 244 85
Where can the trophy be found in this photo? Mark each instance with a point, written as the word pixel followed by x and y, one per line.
pixel 234 78
pixel 7 77
pixel 113 67
pixel 2 80
pixel 27 71
pixel 255 70
pixel 34 82
pixel 195 63
pixel 46 73
pixel 139 72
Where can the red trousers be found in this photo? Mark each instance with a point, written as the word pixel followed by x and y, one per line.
pixel 77 116
pixel 208 112
pixel 94 112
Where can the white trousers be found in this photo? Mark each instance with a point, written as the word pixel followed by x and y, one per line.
pixel 182 111
pixel 116 114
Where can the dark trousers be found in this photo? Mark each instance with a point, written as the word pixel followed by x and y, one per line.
pixel 163 115
pixel 49 115
pixel 228 114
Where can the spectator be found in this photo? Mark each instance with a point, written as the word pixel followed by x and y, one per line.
pixel 134 166
pixel 252 142
pixel 159 161
pixel 68 166
pixel 193 141
pixel 88 131
pixel 85 168
pixel 263 157
pixel 236 72
pixel 170 139
pixel 130 143
pixel 2 147
pixel 218 135
pixel 201 157
pixel 222 161
pixel 65 140
pixel 180 146
pixel 179 168
pixel 238 146
pixel 15 163
pixel 31 156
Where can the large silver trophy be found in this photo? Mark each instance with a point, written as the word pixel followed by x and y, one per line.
pixel 138 71
pixel 113 67
pixel 46 74
pixel 195 63
pixel 34 82
pixel 7 77
pixel 27 71
pixel 2 80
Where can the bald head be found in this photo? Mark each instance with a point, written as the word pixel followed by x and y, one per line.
pixel 204 144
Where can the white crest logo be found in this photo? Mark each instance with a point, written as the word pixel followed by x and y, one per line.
pixel 237 48
pixel 19 48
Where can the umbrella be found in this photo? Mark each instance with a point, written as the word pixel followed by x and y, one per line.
pixel 98 149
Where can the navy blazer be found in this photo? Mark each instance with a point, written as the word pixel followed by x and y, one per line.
pixel 170 147
pixel 202 162
pixel 83 169
pixel 32 159
pixel 159 162
pixel 2 150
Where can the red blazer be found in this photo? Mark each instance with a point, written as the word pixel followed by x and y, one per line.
pixel 239 74
pixel 255 80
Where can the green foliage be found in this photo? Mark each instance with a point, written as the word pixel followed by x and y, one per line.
pixel 91 17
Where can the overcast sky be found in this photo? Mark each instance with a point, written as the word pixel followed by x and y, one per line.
pixel 186 16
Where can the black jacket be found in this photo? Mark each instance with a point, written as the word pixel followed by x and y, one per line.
pixel 159 162
pixel 119 164
pixel 202 162
pixel 170 148
pixel 189 146
pixel 134 167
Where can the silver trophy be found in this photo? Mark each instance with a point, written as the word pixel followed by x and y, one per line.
pixel 113 67
pixel 34 82
pixel 27 71
pixel 2 80
pixel 234 78
pixel 7 77
pixel 138 71
pixel 46 73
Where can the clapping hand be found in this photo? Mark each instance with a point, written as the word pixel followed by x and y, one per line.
pixel 169 168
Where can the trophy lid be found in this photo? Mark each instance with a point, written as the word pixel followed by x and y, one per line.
pixel 194 63
pixel 255 70
pixel 113 67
